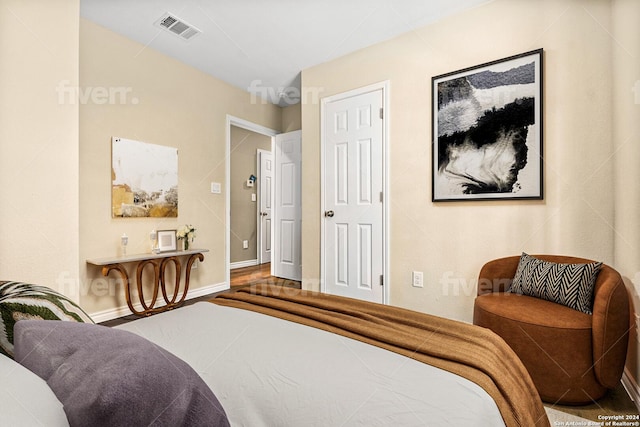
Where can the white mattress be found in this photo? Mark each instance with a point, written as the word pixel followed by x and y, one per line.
pixel 270 372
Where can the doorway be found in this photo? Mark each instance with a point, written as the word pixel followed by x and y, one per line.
pixel 240 244
pixel 248 241
pixel 247 147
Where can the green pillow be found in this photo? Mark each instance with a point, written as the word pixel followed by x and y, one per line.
pixel 19 301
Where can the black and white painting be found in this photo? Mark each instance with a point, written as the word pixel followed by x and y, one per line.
pixel 487 131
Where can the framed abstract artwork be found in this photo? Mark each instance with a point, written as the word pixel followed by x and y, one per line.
pixel 487 131
pixel 144 180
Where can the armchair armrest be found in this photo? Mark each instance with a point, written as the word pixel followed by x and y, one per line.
pixel 497 275
pixel 610 328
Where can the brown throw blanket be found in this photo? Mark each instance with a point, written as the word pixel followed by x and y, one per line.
pixel 470 351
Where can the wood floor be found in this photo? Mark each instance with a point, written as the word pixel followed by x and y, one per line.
pixel 616 402
pixel 259 274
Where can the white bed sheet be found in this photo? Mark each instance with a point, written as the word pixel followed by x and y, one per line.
pixel 26 399
pixel 270 372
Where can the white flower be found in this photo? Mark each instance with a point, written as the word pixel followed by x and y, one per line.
pixel 187 231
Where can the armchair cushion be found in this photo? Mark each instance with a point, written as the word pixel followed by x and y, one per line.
pixel 567 284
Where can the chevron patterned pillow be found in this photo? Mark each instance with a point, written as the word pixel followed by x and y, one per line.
pixel 567 284
pixel 20 301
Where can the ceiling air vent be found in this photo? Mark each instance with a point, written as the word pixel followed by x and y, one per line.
pixel 177 26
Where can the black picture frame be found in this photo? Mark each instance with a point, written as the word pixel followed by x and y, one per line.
pixel 486 126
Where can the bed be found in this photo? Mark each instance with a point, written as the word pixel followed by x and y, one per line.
pixel 275 356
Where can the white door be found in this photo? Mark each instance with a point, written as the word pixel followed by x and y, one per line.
pixel 353 252
pixel 264 206
pixel 286 260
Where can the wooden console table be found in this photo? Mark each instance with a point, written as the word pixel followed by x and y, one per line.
pixel 159 262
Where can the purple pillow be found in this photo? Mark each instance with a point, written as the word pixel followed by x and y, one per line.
pixel 110 377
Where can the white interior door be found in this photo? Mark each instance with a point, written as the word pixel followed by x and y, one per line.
pixel 287 212
pixel 264 205
pixel 353 144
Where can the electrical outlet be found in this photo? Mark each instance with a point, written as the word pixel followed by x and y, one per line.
pixel 417 279
pixel 245 244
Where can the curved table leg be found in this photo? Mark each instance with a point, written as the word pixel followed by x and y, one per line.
pixel 178 271
pixel 190 262
pixel 125 280
pixel 156 277
pixel 158 283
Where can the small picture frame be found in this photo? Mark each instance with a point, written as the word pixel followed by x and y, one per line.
pixel 167 241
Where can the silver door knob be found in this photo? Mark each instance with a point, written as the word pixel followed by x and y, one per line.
pixel 329 213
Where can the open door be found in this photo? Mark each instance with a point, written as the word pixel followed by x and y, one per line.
pixel 286 259
pixel 264 168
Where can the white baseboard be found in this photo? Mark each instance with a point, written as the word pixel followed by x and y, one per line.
pixel 243 264
pixel 631 386
pixel 114 313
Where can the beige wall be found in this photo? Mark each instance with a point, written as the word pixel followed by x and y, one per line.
pixel 292 118
pixel 626 141
pixel 166 103
pixel 244 144
pixel 39 144
pixel 449 242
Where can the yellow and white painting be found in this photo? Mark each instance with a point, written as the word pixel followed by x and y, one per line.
pixel 144 179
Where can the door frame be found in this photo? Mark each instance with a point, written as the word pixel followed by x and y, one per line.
pixel 253 127
pixel 384 86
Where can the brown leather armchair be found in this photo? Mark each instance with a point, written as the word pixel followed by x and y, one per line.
pixel 573 357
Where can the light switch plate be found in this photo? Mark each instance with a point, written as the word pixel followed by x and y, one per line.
pixel 417 279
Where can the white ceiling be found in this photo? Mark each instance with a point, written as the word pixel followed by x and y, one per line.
pixel 262 46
